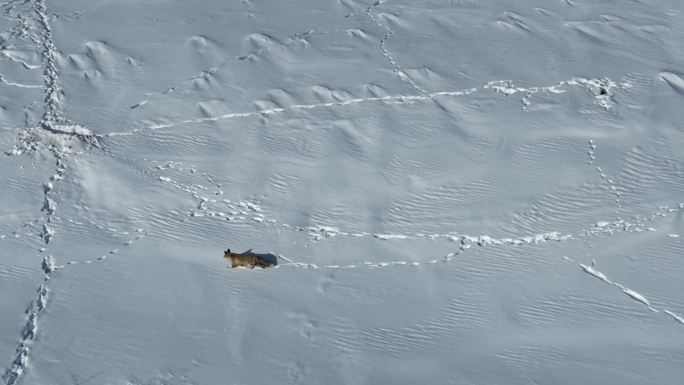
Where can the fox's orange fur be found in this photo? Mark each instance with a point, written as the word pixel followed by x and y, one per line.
pixel 246 259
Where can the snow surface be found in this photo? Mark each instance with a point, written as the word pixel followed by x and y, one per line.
pixel 459 191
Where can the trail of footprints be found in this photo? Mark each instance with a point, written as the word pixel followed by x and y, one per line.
pixel 466 242
pixel 602 174
pixel 504 87
pixel 299 37
pixel 52 122
pixel 36 17
pixel 603 89
pixel 591 270
pixel 621 225
pixel 20 231
pixel 383 41
pixel 54 133
pixel 636 224
pixel 137 234
pixel 20 358
pixel 209 204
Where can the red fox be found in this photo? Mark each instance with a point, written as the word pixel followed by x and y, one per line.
pixel 246 259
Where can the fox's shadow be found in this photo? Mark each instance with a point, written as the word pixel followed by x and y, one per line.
pixel 269 257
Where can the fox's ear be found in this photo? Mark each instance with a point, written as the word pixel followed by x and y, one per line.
pixel 228 251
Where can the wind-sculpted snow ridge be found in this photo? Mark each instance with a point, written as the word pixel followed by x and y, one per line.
pixel 591 269
pixel 601 89
pixel 205 75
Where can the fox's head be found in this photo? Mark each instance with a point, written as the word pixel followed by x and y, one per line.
pixel 227 254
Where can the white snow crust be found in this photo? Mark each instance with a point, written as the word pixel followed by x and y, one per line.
pixel 456 191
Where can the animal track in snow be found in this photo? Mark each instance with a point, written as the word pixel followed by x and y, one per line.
pixel 635 224
pixel 673 80
pixel 600 228
pixel 49 205
pixel 210 206
pixel 208 203
pixel 32 17
pixel 465 242
pixel 248 211
pixel 20 359
pixel 20 231
pixel 18 85
pixel 504 87
pixel 30 139
pixel 52 126
pixel 127 243
pixel 603 90
pixel 602 174
pixel 53 133
pixel 383 42
pixel 591 270
pixel 321 232
pixel 638 224
pixel 591 153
